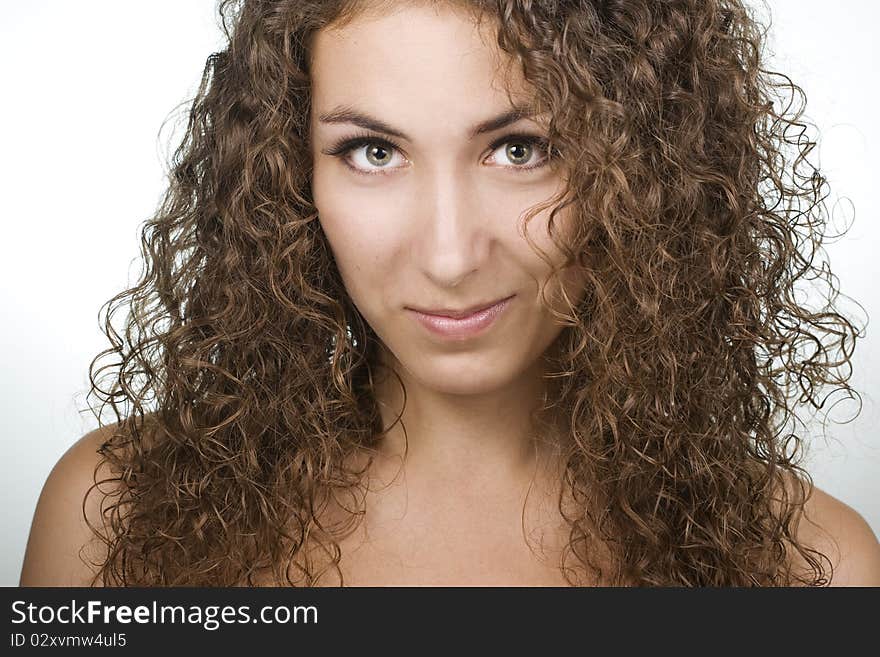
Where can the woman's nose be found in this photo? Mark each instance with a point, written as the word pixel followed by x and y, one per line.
pixel 453 229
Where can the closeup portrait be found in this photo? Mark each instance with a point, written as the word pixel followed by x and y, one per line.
pixel 532 293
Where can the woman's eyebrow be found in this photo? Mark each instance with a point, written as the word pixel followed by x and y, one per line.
pixel 348 114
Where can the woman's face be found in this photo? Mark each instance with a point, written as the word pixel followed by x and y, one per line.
pixel 432 223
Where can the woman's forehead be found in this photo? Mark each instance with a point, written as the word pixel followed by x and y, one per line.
pixel 414 63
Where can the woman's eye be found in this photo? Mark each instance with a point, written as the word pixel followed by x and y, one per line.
pixel 522 152
pixel 372 155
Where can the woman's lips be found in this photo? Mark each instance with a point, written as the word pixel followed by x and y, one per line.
pixel 463 327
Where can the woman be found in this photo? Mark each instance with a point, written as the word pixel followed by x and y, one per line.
pixel 463 293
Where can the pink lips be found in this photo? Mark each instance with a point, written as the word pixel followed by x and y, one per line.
pixel 463 327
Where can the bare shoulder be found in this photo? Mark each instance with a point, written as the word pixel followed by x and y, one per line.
pixel 844 536
pixel 61 543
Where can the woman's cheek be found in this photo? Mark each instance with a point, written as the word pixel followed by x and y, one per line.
pixel 365 246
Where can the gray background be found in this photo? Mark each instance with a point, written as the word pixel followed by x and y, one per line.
pixel 86 88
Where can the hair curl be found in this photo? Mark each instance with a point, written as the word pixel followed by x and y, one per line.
pixel 242 378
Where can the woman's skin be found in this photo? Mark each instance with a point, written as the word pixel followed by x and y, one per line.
pixel 435 224
pixel 439 228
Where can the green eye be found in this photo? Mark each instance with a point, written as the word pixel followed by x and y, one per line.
pixel 520 149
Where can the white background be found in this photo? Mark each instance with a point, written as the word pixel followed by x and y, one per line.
pixel 86 87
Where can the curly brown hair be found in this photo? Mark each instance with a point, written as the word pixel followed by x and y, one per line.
pixel 243 378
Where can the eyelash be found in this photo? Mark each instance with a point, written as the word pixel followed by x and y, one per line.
pixel 347 144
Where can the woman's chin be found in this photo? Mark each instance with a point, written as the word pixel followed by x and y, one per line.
pixel 471 378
